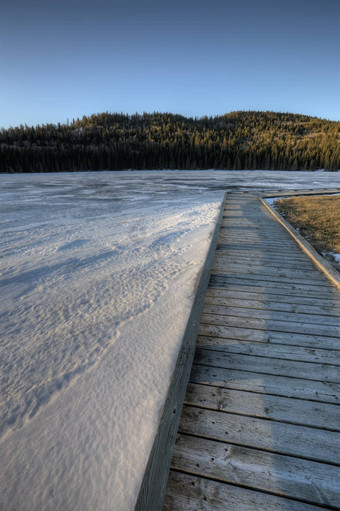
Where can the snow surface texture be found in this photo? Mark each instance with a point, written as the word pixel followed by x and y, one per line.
pixel 96 288
pixel 97 282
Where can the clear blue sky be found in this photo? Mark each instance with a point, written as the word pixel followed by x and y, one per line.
pixel 65 58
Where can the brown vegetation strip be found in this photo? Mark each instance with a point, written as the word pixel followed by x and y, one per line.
pixel 317 218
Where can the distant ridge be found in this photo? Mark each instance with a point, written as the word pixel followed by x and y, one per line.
pixel 113 141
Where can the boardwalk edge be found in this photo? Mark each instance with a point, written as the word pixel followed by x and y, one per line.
pixel 155 478
pixel 331 273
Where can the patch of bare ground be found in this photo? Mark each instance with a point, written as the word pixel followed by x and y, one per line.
pixel 317 218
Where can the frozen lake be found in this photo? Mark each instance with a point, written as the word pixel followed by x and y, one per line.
pixel 97 279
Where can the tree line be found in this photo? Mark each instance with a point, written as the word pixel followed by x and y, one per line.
pixel 113 141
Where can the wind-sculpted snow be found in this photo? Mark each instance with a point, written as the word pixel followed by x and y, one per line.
pixel 69 283
pixel 97 280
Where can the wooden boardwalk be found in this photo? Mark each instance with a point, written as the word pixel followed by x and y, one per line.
pixel 260 427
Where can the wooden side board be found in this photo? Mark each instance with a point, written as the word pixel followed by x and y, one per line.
pixel 153 486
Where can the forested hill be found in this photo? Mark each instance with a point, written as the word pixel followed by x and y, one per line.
pixel 238 140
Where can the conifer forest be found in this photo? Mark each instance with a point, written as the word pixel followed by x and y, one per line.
pixel 234 141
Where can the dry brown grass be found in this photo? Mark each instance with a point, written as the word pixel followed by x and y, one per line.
pixel 317 218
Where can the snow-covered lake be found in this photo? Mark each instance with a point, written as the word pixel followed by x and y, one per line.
pixel 97 279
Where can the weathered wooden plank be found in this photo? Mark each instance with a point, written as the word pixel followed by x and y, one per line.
pixel 249 232
pixel 271 324
pixel 270 305
pixel 272 297
pixel 260 255
pixel 260 239
pixel 265 241
pixel 283 409
pixel 246 242
pixel 244 232
pixel 281 351
pixel 314 284
pixel 269 336
pixel 241 283
pixel 249 227
pixel 282 475
pixel 259 262
pixel 296 317
pixel 267 365
pixel 224 247
pixel 270 267
pixel 249 381
pixel 272 237
pixel 186 492
pixel 251 246
pixel 273 274
pixel 266 269
pixel 244 223
pixel 264 232
pixel 282 438
pixel 258 230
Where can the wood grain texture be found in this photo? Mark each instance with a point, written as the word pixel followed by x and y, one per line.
pixel 269 336
pixel 268 296
pixel 187 492
pixel 285 275
pixel 280 351
pixel 306 327
pixel 268 365
pixel 242 283
pixel 278 282
pixel 255 302
pixel 264 406
pixel 291 316
pixel 295 440
pixel 283 475
pixel 297 388
pixel 257 264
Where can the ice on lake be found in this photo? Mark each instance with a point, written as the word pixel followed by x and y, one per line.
pixel 97 281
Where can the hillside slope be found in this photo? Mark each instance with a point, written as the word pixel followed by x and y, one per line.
pixel 238 140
